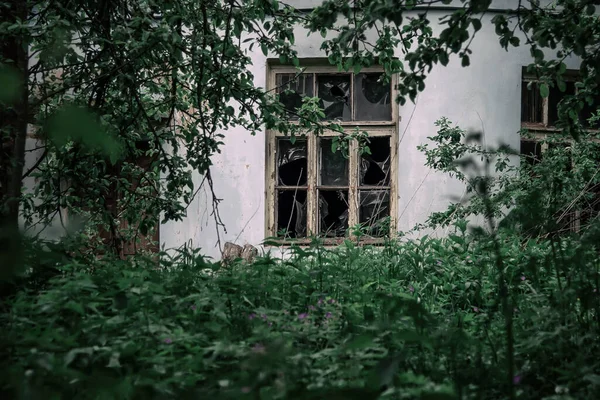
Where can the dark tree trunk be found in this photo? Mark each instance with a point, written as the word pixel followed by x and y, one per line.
pixel 14 117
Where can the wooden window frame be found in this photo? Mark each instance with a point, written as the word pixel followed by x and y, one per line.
pixel 540 132
pixel 373 128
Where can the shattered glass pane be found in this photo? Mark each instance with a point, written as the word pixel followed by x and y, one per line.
pixel 291 162
pixel 372 98
pixel 292 88
pixel 531 103
pixel 334 92
pixel 374 212
pixel 291 213
pixel 333 212
pixel 375 167
pixel 554 98
pixel 334 166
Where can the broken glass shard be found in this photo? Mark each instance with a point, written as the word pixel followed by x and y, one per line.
pixel 292 88
pixel 291 213
pixel 374 212
pixel 372 98
pixel 375 167
pixel 334 95
pixel 291 162
pixel 334 166
pixel 333 212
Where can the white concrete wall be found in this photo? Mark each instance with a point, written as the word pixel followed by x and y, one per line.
pixel 484 96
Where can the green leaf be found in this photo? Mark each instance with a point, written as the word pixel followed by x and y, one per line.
pixel 465 61
pixel 476 24
pixel 73 123
pixel 443 58
pixel 264 49
pixel 360 342
pixel 10 84
pixel 544 90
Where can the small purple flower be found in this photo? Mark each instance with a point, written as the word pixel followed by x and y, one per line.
pixel 264 317
pixel 328 315
pixel 331 301
pixel 270 323
pixel 476 309
pixel 302 316
pixel 311 308
pixel 523 277
pixel 411 289
pixel 439 262
pixel 193 307
pixel 320 302
pixel 168 341
pixel 251 316
pixel 246 389
pixel 517 379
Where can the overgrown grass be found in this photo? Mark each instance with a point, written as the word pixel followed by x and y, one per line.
pixel 410 320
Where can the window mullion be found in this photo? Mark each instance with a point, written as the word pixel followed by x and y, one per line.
pixel 312 207
pixel 353 198
pixel 545 106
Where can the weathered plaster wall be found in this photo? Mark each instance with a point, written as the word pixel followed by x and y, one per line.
pixel 485 96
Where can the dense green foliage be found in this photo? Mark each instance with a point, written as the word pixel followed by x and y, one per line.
pixel 508 309
pixel 411 320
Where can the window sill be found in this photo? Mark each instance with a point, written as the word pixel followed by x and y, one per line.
pixel 327 242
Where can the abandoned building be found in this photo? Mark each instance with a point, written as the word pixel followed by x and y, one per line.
pixel 271 186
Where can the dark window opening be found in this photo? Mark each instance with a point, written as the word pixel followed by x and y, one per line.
pixel 374 212
pixel 532 151
pixel 334 94
pixel 532 109
pixel 372 98
pixel 555 97
pixel 292 162
pixel 333 211
pixel 291 213
pixel 334 166
pixel 292 89
pixel 375 167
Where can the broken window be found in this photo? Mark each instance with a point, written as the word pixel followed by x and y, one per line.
pixel 291 213
pixel 292 163
pixel 542 113
pixel 333 212
pixel 334 166
pixel 554 98
pixel 375 167
pixel 292 88
pixel 539 116
pixel 315 189
pixel 292 179
pixel 372 97
pixel 531 151
pixel 532 109
pixel 334 93
pixel 374 212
